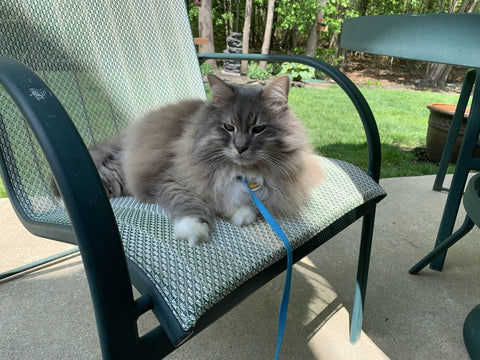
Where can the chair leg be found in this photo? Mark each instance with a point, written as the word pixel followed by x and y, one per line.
pixel 444 245
pixel 362 276
pixel 454 129
pixel 471 333
pixel 465 163
pixel 450 212
pixel 38 263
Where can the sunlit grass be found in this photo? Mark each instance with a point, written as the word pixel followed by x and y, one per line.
pixel 335 130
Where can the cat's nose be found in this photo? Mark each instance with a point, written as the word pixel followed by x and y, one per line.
pixel 240 149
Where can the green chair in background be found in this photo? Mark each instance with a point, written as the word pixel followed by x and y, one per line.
pixel 75 73
pixel 451 39
pixel 443 38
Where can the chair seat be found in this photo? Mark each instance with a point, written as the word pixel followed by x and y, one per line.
pixel 191 279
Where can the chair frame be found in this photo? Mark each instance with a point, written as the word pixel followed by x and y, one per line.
pixel 95 230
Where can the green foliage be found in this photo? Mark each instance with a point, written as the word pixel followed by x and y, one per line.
pixel 335 12
pixel 274 68
pixel 296 14
pixel 378 7
pixel 193 16
pixel 256 72
pixel 298 72
pixel 299 50
pixel 206 68
pixel 329 55
pixel 3 192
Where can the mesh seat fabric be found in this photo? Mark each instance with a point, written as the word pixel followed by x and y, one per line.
pixel 194 278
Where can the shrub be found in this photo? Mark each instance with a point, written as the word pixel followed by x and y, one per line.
pixel 206 68
pixel 297 71
pixel 256 72
pixel 329 55
pixel 274 68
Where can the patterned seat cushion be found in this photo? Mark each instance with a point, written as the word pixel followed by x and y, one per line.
pixel 192 279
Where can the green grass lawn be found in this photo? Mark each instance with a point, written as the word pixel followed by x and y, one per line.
pixel 335 129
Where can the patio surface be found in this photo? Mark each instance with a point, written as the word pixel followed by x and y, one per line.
pixel 48 314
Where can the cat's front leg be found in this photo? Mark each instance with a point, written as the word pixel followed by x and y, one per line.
pixel 243 215
pixel 190 214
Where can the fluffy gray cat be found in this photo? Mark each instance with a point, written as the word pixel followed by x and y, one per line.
pixel 189 157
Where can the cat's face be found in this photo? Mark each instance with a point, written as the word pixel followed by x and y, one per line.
pixel 252 126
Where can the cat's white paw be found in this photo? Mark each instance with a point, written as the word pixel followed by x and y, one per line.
pixel 190 229
pixel 243 215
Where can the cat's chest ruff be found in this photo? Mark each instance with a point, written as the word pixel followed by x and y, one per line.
pixel 254 181
pixel 233 190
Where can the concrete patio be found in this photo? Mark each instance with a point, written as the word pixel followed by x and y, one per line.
pixel 47 314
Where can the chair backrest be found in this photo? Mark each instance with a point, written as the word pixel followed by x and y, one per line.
pixel 444 38
pixel 92 54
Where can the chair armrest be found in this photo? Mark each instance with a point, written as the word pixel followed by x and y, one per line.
pixel 88 206
pixel 356 97
pixel 71 165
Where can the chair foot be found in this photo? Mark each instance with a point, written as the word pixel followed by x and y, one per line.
pixel 440 248
pixel 471 333
pixel 436 267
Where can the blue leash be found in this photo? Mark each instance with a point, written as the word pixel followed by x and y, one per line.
pixel 282 318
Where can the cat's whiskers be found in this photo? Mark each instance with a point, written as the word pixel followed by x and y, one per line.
pixel 216 157
pixel 284 167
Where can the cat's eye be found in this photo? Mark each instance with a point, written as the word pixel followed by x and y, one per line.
pixel 229 127
pixel 258 129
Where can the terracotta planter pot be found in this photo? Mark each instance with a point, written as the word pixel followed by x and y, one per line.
pixel 439 122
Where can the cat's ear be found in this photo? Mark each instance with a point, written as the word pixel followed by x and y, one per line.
pixel 221 92
pixel 276 93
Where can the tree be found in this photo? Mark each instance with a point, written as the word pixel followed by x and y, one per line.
pixel 205 29
pixel 268 31
pixel 246 34
pixel 312 39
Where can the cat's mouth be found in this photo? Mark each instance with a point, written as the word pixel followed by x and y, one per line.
pixel 244 161
pixel 241 158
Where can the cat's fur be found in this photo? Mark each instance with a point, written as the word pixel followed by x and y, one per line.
pixel 188 157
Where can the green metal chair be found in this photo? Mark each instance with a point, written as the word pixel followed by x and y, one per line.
pixel 75 73
pixel 443 38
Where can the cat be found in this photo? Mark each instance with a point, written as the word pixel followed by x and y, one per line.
pixel 190 157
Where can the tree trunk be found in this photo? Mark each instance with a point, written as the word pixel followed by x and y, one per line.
pixel 246 34
pixel 312 39
pixel 436 75
pixel 205 29
pixel 268 31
